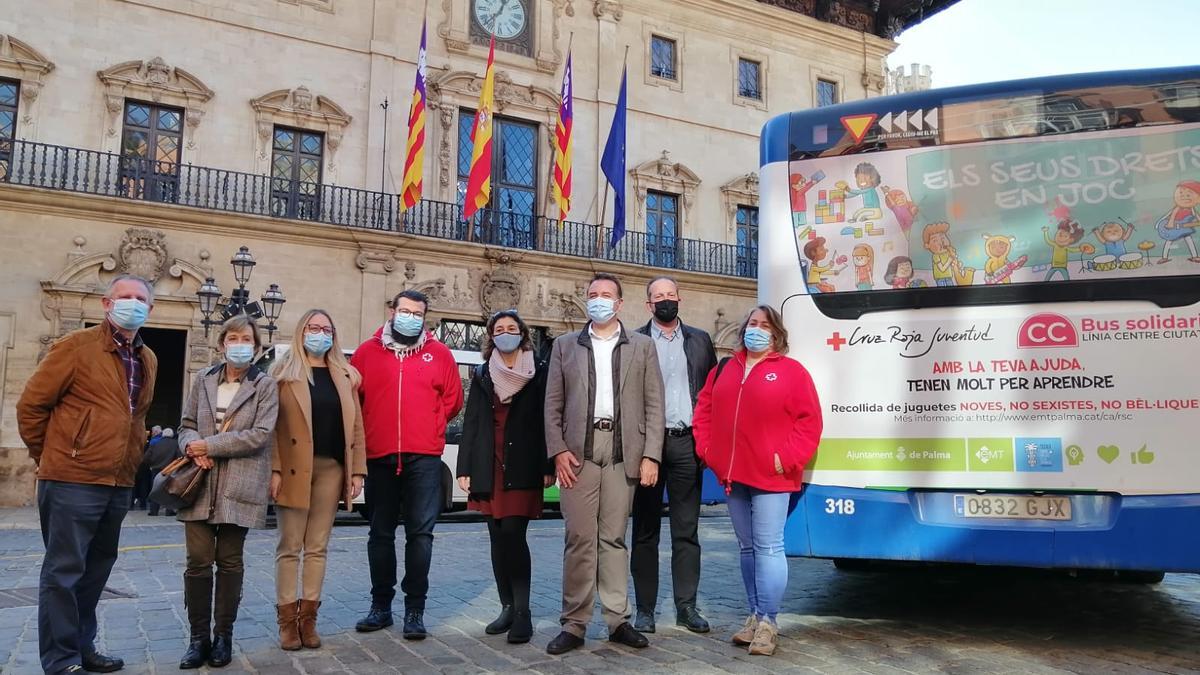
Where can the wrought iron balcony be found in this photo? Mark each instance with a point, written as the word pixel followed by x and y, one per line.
pixel 100 173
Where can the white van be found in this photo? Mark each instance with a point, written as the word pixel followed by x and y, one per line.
pixel 456 499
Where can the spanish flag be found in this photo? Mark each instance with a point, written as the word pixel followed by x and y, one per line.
pixel 479 181
pixel 562 146
pixel 410 190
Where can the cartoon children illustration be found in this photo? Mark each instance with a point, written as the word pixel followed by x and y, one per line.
pixel 864 267
pixel 996 269
pixel 1112 236
pixel 1065 237
pixel 904 210
pixel 816 251
pixel 799 189
pixel 947 269
pixel 867 178
pixel 899 272
pixel 1181 221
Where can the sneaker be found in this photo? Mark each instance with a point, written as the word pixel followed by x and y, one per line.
pixel 746 635
pixel 766 638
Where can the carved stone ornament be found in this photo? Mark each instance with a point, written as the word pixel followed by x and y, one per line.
pixel 666 176
pixel 741 191
pixel 154 80
pixel 19 61
pixel 602 8
pixel 143 253
pixel 298 108
pixel 500 289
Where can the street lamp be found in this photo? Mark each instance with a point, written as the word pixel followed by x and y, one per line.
pixel 239 299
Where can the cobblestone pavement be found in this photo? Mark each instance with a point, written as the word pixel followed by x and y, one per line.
pixel 914 620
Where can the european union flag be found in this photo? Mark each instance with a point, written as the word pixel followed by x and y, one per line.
pixel 612 163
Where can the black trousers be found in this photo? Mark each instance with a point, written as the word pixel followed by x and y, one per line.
pixel 81 529
pixel 680 474
pixel 414 496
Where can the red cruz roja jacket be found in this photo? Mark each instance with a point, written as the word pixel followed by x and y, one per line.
pixel 742 422
pixel 407 400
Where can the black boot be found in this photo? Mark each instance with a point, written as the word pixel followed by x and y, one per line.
pixel 197 597
pixel 378 618
pixel 414 624
pixel 522 627
pixel 225 609
pixel 502 622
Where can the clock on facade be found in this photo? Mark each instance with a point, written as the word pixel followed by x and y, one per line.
pixel 508 20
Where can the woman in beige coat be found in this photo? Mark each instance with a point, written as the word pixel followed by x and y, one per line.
pixel 227 428
pixel 319 460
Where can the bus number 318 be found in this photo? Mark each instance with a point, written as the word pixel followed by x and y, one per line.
pixel 841 507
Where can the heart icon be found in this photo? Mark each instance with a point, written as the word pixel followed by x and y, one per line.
pixel 1108 453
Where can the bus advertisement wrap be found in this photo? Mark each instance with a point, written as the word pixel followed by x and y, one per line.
pixel 1106 204
pixel 1060 397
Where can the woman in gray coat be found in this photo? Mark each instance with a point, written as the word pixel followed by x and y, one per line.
pixel 227 427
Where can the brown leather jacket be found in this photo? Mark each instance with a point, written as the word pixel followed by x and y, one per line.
pixel 74 413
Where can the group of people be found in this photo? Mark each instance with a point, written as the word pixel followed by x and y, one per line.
pixel 614 417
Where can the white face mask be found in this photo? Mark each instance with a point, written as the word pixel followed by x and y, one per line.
pixel 601 310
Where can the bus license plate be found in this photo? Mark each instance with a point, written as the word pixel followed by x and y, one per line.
pixel 1013 507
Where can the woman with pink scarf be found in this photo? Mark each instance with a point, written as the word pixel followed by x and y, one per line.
pixel 502 461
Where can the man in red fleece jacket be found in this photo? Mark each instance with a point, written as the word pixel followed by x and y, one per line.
pixel 410 390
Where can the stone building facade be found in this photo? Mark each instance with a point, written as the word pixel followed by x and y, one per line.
pixel 159 136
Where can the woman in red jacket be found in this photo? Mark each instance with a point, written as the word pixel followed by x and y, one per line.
pixel 757 423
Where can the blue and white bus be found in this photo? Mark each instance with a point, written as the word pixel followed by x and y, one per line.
pixel 997 291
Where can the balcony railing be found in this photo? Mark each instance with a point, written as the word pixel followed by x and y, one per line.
pixel 100 173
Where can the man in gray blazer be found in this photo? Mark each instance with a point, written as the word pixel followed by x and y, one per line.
pixel 604 431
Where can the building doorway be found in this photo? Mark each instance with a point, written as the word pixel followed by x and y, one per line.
pixel 170 346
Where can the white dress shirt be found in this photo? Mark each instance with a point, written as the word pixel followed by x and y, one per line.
pixel 602 353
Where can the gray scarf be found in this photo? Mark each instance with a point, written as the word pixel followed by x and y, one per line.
pixel 508 382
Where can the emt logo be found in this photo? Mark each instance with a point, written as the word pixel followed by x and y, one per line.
pixel 1047 330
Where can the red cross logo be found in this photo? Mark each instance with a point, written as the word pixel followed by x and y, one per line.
pixel 836 341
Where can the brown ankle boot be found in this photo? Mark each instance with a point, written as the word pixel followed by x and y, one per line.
pixel 289 626
pixel 308 623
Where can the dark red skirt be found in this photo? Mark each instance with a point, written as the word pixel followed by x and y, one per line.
pixel 504 503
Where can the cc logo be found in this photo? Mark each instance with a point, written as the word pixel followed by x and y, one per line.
pixel 1047 330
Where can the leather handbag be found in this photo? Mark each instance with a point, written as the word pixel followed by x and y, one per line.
pixel 178 484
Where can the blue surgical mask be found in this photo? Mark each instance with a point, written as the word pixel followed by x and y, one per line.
pixel 129 313
pixel 507 343
pixel 756 339
pixel 407 324
pixel 317 343
pixel 600 310
pixel 239 355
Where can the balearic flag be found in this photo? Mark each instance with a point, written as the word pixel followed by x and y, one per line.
pixel 612 163
pixel 562 146
pixel 479 181
pixel 414 160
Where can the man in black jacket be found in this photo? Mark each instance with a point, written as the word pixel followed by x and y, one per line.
pixel 685 356
pixel 161 453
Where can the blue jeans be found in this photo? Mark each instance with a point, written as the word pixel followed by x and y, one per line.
pixel 415 493
pixel 81 529
pixel 758 517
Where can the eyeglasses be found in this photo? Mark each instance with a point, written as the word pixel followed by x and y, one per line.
pixel 406 313
pixel 313 329
pixel 511 330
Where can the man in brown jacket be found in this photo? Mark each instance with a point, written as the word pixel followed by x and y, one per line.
pixel 604 432
pixel 83 417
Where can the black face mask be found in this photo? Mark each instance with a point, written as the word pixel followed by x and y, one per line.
pixel 666 310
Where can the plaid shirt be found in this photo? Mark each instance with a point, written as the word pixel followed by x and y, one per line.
pixel 127 351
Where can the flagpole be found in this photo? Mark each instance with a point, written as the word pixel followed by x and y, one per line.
pixel 600 238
